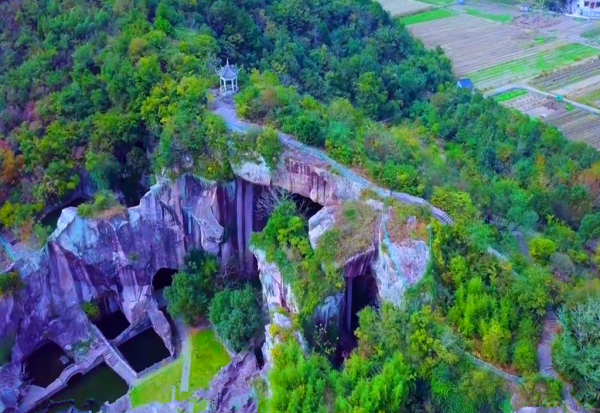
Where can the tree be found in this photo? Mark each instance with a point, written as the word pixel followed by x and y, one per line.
pixel 235 316
pixel 576 352
pixel 541 249
pixel 193 288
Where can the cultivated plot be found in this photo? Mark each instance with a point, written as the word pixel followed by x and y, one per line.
pixel 475 44
pixel 530 65
pixel 404 7
pixel 428 16
pixel 574 123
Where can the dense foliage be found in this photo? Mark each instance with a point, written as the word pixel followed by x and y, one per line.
pixel 235 316
pixel 311 274
pixel 577 350
pixel 193 288
pixel 10 283
pixel 92 88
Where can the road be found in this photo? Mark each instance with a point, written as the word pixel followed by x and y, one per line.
pixel 513 86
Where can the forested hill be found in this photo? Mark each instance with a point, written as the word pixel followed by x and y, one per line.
pixel 76 77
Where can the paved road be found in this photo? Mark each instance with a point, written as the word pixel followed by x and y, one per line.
pixel 514 86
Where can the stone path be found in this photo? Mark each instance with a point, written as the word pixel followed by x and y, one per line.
pixel 186 353
pixel 549 332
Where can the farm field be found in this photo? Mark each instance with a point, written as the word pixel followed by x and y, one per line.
pixel 561 80
pixel 404 7
pixel 580 83
pixel 475 45
pixel 427 16
pixel 525 67
pixel 500 18
pixel 576 124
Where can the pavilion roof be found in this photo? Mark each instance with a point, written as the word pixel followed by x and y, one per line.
pixel 228 72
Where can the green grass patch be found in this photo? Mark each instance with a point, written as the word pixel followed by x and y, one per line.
pixel 530 66
pixel 569 107
pixel 544 40
pixel 158 387
pixel 438 2
pixel 592 33
pixel 510 95
pixel 427 16
pixel 208 357
pixel 500 18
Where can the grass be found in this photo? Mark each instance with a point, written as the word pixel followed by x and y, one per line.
pixel 500 18
pixel 157 387
pixel 534 65
pixel 427 16
pixel 208 356
pixel 510 95
pixel 592 33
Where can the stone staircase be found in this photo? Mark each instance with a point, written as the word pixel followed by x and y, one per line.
pixel 110 358
pixel 550 330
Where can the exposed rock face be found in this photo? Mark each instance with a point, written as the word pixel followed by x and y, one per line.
pixel 86 259
pixel 276 292
pixel 396 265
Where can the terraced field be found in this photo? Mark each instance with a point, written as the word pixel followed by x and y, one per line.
pixel 404 7
pixel 575 123
pixel 476 44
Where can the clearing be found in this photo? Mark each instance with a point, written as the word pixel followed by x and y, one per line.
pixel 208 356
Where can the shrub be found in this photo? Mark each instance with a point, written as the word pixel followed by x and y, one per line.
pixel 235 316
pixel 10 283
pixel 193 287
pixel 105 205
pixel 269 146
pixel 91 310
pixel 525 356
pixel 541 249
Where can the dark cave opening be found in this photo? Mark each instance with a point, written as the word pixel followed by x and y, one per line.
pixel 112 322
pixel 163 278
pixel 51 218
pixel 45 364
pixel 361 292
pixel 260 358
pixel 306 206
pixel 144 350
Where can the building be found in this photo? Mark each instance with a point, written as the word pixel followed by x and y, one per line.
pixel 228 79
pixel 589 8
pixel 465 84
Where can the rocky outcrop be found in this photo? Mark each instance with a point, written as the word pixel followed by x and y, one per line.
pixel 276 292
pixel 87 259
pixel 395 264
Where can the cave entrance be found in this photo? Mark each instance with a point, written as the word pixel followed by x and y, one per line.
pixel 45 364
pixel 51 218
pixel 306 206
pixel 87 392
pixel 161 280
pixel 111 322
pixel 361 292
pixel 144 350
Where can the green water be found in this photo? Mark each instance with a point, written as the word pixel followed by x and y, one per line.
pixel 87 392
pixel 144 350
